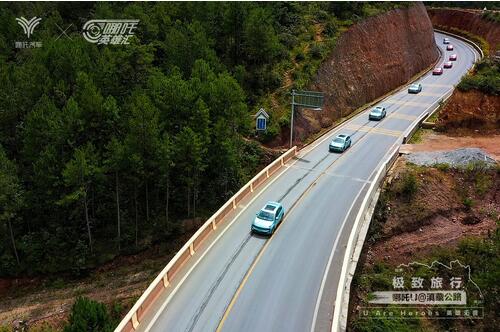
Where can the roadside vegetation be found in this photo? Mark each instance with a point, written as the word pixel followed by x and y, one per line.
pixel 105 150
pixel 414 199
pixel 485 78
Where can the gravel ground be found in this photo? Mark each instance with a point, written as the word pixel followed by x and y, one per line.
pixel 455 158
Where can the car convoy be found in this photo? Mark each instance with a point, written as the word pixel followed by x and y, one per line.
pixel 271 215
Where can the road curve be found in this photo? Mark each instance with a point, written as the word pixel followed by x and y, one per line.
pixel 251 283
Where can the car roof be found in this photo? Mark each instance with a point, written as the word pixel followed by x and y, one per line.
pixel 271 206
pixel 341 136
pixel 380 107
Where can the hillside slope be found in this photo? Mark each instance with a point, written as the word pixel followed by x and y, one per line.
pixel 467 20
pixel 370 59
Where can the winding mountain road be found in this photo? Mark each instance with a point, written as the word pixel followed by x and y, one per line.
pixel 244 282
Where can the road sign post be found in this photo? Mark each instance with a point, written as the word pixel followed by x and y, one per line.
pixel 308 99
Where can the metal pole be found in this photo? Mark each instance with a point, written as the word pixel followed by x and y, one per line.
pixel 291 121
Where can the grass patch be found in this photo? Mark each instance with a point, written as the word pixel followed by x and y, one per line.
pixel 491 16
pixel 418 136
pixel 486 78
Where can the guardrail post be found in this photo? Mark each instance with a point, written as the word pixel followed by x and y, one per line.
pixel 234 204
pixel 251 187
pixel 282 162
pixel 191 249
pixel 165 281
pixel 214 226
pixel 267 173
pixel 135 321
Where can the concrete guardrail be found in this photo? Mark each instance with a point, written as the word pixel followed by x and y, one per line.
pixel 135 316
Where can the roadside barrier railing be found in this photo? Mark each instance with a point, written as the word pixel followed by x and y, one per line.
pixel 136 315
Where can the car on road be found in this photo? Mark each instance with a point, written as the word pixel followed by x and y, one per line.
pixel 449 47
pixel 268 218
pixel 446 40
pixel 415 88
pixel 448 64
pixel 378 113
pixel 453 57
pixel 437 71
pixel 340 143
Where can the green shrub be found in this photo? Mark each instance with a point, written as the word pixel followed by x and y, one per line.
pixel 89 315
pixel 316 51
pixel 300 56
pixel 492 16
pixel 409 185
pixel 443 167
pixel 468 203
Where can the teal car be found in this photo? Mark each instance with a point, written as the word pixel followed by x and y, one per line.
pixel 268 218
pixel 340 143
pixel 415 88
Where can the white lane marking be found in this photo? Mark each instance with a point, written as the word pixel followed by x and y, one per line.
pixel 330 258
pixel 174 291
pixel 337 306
pixel 301 154
pixel 332 174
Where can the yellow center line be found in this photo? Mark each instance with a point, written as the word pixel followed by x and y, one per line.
pixel 374 130
pixel 268 242
pixel 439 85
pixel 402 116
pixel 432 94
pixel 407 103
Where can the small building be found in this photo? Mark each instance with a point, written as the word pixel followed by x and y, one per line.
pixel 261 119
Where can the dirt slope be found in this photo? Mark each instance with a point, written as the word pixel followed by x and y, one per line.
pixel 470 112
pixel 468 20
pixel 370 59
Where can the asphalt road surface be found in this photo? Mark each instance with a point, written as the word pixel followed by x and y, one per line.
pixel 251 283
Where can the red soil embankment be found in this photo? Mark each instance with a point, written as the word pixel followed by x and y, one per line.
pixel 371 58
pixel 470 112
pixel 467 20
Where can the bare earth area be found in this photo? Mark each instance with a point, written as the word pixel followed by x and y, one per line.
pixel 432 141
pixel 442 231
pixel 49 300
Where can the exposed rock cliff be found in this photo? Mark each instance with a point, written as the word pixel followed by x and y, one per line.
pixel 370 59
pixel 467 20
pixel 471 111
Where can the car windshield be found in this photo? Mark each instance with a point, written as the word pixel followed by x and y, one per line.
pixel 338 140
pixel 376 111
pixel 265 215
